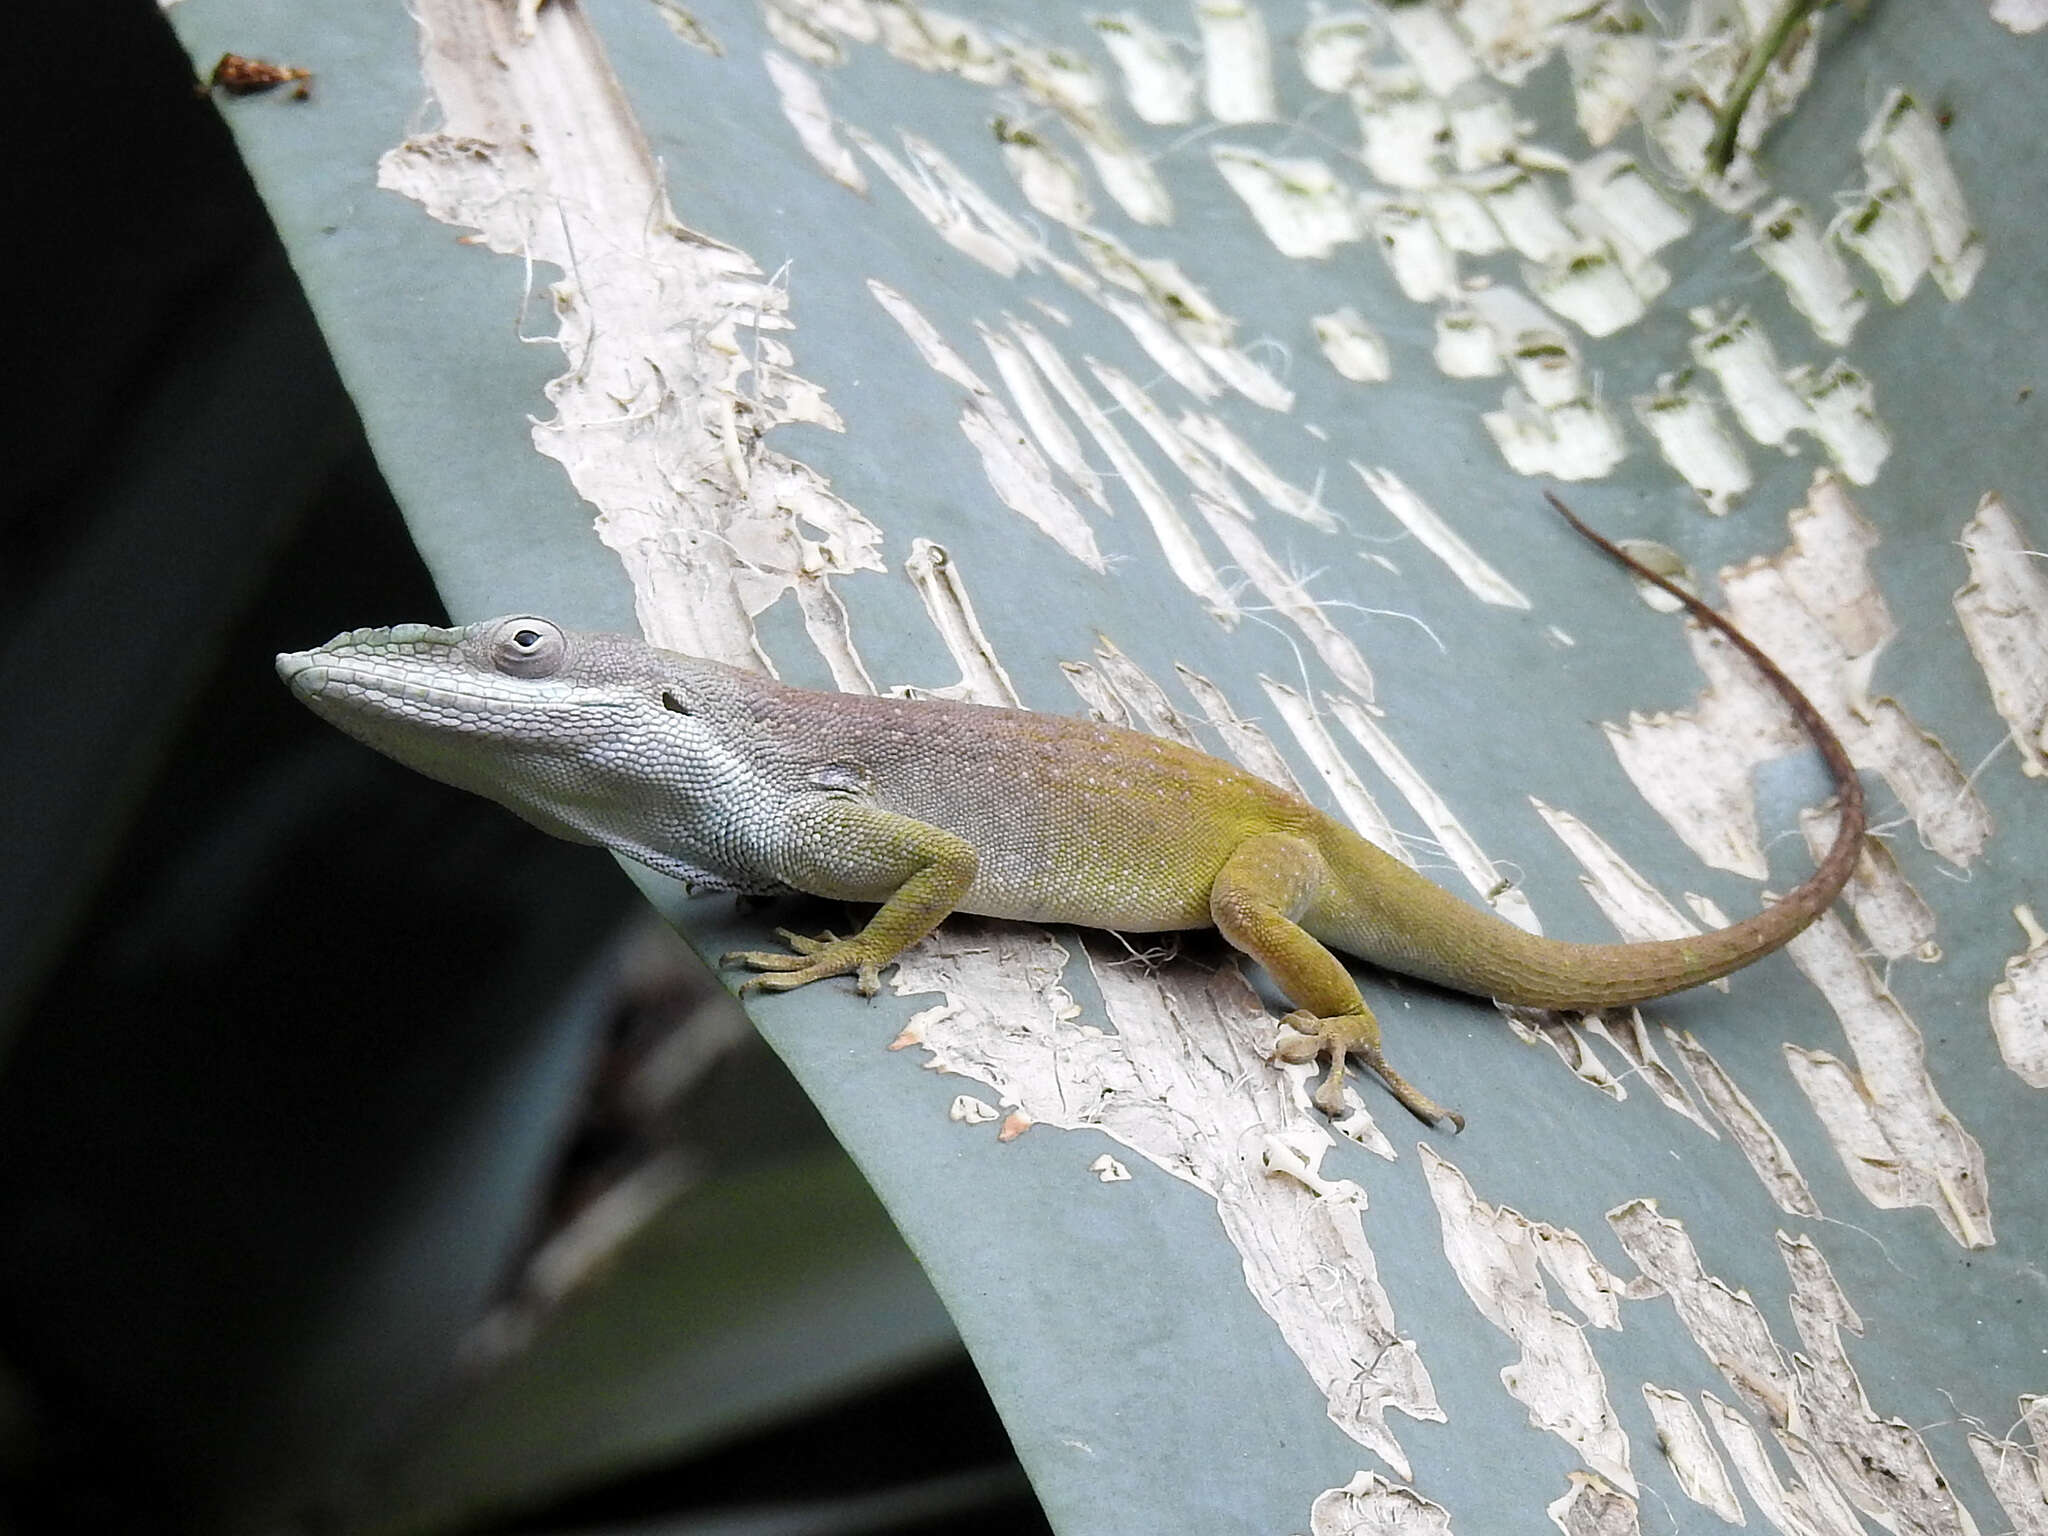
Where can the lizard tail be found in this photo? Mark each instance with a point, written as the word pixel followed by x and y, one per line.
pixel 1386 913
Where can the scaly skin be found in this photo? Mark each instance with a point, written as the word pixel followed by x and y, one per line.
pixel 734 782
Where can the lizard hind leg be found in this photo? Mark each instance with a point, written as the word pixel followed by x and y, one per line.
pixel 1267 881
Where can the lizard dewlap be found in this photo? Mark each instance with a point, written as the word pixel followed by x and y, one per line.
pixel 733 781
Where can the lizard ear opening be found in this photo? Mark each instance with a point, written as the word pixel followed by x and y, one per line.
pixel 525 646
pixel 670 702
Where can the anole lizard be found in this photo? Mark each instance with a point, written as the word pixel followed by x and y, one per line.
pixel 732 781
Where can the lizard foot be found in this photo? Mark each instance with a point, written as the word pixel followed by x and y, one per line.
pixel 809 960
pixel 1306 1037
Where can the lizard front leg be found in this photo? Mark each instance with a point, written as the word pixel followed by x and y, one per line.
pixel 1263 886
pixel 858 852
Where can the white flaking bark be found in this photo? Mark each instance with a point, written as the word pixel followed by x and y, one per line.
pixel 1497 1254
pixel 1352 347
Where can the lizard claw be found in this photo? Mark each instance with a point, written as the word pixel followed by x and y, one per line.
pixel 1309 1038
pixel 814 959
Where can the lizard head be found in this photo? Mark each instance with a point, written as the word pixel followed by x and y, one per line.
pixel 568 728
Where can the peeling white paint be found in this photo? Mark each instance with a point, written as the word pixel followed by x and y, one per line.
pixel 1625 1030
pixel 1590 288
pixel 803 103
pixel 1176 539
pixel 940 208
pixel 1047 426
pixel 1844 414
pixel 1496 1254
pixel 1579 440
pixel 1613 67
pixel 1702 1475
pixel 1484 130
pixel 1017 472
pixel 2017 1479
pixel 1592 1508
pixel 1741 358
pixel 2020 16
pixel 1215 438
pixel 1354 801
pixel 1458 844
pixel 1689 434
pixel 1423 266
pixel 1803 1507
pixel 1237 62
pixel 1298 204
pixel 1462 220
pixel 1723 1322
pixel 2003 610
pixel 1765 1151
pixel 1334 48
pixel 1898 1141
pixel 1369 1505
pixel 1635 907
pixel 1289 597
pixel 1160 89
pixel 1536 1026
pixel 1894 918
pixel 1882 1465
pixel 1465 345
pixel 966 1109
pixel 1523 209
pixel 1785 240
pixel 1108 1170
pixel 2019 1005
pixel 672 385
pixel 1401 129
pixel 1629 206
pixel 1184 1083
pixel 937 582
pixel 1353 347
pixel 1050 182
pixel 1249 745
pixel 1888 235
pixel 1473 571
pixel 1432 45
pixel 1904 142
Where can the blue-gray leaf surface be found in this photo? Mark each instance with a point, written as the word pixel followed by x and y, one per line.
pixel 1198 368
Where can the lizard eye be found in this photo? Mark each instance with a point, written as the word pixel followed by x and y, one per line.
pixel 529 647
